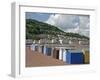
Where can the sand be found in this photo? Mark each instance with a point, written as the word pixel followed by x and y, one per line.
pixel 36 59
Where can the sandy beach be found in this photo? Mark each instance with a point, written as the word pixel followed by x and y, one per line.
pixel 36 59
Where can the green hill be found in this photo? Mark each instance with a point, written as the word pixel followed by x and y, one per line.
pixel 37 30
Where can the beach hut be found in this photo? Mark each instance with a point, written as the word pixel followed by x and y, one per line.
pixel 86 56
pixel 52 51
pixel 64 55
pixel 36 47
pixel 40 48
pixel 44 50
pixel 33 47
pixel 56 53
pixel 74 57
pixel 61 53
pixel 47 51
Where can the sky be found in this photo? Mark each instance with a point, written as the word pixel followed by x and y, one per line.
pixel 66 22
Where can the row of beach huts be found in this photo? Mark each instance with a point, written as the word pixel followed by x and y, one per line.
pixel 64 52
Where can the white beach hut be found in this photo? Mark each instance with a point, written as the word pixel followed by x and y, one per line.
pixel 33 47
pixel 64 55
pixel 61 53
pixel 44 51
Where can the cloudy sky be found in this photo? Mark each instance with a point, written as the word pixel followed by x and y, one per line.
pixel 68 23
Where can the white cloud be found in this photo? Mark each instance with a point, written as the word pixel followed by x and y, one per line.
pixel 70 23
pixel 51 20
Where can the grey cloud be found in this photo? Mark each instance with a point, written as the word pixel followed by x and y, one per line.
pixel 71 23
